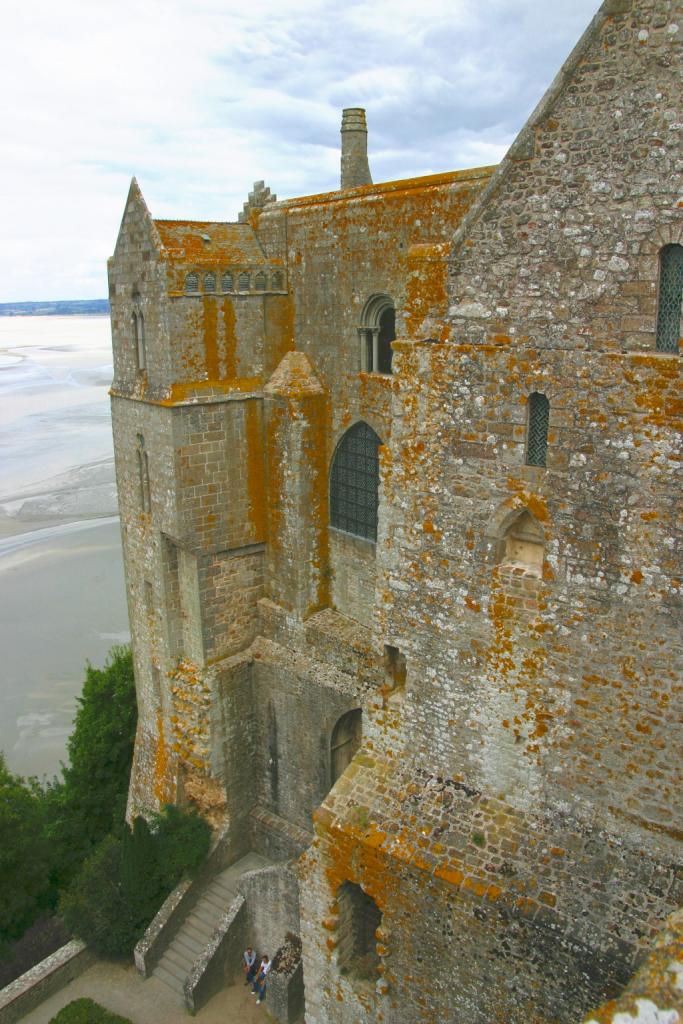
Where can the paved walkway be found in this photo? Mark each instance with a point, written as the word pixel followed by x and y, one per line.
pixel 122 990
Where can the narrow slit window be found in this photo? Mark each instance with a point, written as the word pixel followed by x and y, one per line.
pixel 143 475
pixel 670 296
pixel 140 351
pixel 538 418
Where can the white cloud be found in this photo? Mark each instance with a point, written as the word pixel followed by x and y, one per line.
pixel 200 99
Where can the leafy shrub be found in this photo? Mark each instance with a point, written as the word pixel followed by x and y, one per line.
pixel 85 1011
pixel 25 855
pixel 122 885
pixel 183 839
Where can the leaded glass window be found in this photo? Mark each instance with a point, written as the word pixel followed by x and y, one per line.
pixel 538 408
pixel 354 482
pixel 670 293
pixel 243 282
pixel 226 282
pixel 260 282
pixel 209 282
pixel 192 283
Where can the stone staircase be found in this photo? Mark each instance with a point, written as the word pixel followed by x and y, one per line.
pixel 195 932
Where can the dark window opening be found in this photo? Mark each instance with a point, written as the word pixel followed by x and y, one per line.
pixel 394 667
pixel 192 283
pixel 354 482
pixel 209 282
pixel 538 413
pixel 260 282
pixel 359 919
pixel 345 741
pixel 226 282
pixel 143 475
pixel 243 282
pixel 139 333
pixel 670 298
pixel 387 334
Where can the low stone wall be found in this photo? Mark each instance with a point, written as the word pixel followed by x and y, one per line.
pixel 160 931
pixel 221 958
pixel 49 976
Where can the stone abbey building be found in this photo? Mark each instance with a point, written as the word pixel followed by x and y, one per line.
pixel 399 479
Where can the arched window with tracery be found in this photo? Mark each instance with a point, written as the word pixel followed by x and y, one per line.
pixel 354 482
pixel 670 298
pixel 376 332
pixel 538 419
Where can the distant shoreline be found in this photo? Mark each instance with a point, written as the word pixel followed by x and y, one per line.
pixel 61 307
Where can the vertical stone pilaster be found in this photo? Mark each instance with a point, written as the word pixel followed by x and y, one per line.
pixel 296 429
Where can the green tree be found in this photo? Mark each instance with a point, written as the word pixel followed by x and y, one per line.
pixel 183 839
pixel 91 799
pixel 25 855
pixel 95 907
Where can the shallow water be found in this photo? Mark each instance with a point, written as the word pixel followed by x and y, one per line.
pixel 62 597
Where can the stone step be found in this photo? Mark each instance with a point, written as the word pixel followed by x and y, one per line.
pixel 218 898
pixel 180 958
pixel 222 890
pixel 190 946
pixel 198 935
pixel 213 905
pixel 204 928
pixel 173 968
pixel 168 979
pixel 206 914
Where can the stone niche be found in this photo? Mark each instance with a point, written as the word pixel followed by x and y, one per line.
pixel 522 545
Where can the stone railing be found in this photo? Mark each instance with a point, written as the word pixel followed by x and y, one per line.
pixel 211 970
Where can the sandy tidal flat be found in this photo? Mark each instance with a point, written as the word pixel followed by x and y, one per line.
pixel 62 597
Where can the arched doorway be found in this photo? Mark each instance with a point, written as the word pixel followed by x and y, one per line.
pixel 344 743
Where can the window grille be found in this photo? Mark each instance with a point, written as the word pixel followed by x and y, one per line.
pixel 192 283
pixel 209 282
pixel 226 282
pixel 670 293
pixel 277 281
pixel 537 429
pixel 354 482
pixel 243 282
pixel 260 282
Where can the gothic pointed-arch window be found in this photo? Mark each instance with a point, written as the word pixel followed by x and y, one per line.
pixel 670 298
pixel 538 419
pixel 354 482
pixel 192 283
pixel 376 332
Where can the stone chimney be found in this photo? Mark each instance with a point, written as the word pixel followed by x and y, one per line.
pixel 354 149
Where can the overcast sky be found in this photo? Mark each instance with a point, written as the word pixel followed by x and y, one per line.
pixel 200 99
